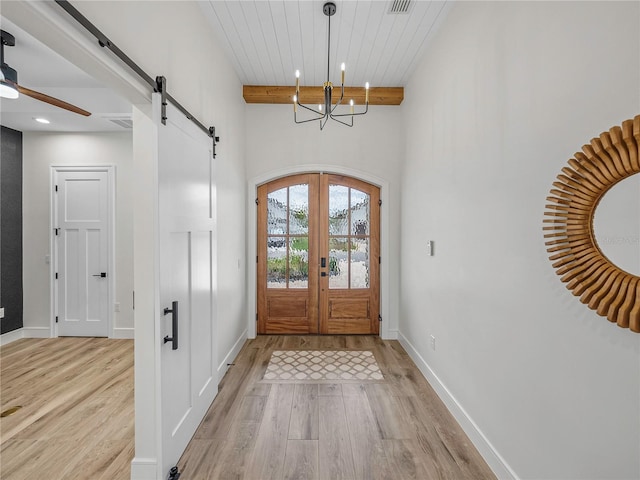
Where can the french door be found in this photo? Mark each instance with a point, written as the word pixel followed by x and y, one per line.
pixel 318 255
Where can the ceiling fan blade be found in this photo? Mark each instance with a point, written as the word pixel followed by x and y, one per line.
pixel 52 101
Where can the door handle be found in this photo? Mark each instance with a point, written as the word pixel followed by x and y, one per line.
pixel 101 275
pixel 323 262
pixel 174 325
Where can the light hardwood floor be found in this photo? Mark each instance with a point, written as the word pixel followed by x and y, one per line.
pixel 397 429
pixel 76 420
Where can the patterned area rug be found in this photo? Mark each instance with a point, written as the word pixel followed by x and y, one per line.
pixel 322 366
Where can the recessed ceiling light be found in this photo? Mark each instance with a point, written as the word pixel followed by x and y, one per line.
pixel 41 120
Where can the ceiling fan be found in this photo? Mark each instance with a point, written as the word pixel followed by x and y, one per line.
pixel 9 87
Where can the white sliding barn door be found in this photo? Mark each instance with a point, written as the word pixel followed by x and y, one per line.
pixel 188 379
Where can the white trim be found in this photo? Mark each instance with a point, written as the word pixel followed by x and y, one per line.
pixel 111 220
pixel 252 218
pixel 12 336
pixel 49 24
pixel 393 334
pixel 143 468
pixel 123 333
pixel 495 461
pixel 231 356
pixel 36 332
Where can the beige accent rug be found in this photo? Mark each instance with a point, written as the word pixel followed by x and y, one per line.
pixel 322 366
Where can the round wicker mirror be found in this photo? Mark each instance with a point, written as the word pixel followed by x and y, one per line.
pixel 588 273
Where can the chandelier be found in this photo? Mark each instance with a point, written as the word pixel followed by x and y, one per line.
pixel 327 110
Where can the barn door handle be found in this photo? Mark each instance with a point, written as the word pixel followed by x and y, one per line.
pixel 101 275
pixel 323 262
pixel 174 325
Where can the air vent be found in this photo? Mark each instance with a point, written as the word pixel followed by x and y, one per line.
pixel 124 122
pixel 400 6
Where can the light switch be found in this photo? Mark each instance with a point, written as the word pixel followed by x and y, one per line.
pixel 430 248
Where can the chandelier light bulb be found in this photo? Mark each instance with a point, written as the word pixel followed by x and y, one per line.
pixel 320 107
pixel 342 67
pixel 366 89
pixel 297 73
pixel 351 103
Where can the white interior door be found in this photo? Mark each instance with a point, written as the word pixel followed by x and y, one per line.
pixel 82 218
pixel 187 227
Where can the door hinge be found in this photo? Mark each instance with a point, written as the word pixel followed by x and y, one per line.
pixel 379 260
pixel 256 317
pixel 380 202
pixel 256 258
pixel 56 319
pixel 257 202
pixel 380 318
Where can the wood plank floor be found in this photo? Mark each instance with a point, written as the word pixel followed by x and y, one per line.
pixel 77 415
pixel 397 429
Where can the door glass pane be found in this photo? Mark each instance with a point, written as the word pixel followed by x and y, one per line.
pixel 338 210
pixel 339 262
pixel 359 263
pixel 276 262
pixel 299 209
pixel 359 212
pixel 277 212
pixel 299 262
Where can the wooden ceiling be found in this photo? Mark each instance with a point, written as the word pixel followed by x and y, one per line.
pixel 267 41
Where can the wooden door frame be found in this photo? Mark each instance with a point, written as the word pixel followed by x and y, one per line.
pixel 111 221
pixel 252 232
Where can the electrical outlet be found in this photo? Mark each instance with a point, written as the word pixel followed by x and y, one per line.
pixel 433 342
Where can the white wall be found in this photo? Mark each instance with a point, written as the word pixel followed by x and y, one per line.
pixel 507 93
pixel 373 147
pixel 41 151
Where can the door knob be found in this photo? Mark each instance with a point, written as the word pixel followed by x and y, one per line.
pixel 101 275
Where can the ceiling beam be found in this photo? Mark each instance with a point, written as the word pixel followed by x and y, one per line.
pixel 313 95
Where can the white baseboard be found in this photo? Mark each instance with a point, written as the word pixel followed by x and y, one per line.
pixel 391 335
pixel 486 449
pixel 11 336
pixel 36 332
pixel 123 333
pixel 144 469
pixel 233 353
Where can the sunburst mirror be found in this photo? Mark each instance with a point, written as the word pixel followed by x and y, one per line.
pixel 568 225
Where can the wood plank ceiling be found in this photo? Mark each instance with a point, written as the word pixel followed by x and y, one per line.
pixel 268 40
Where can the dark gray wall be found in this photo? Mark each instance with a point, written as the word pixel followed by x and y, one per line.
pixel 11 229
